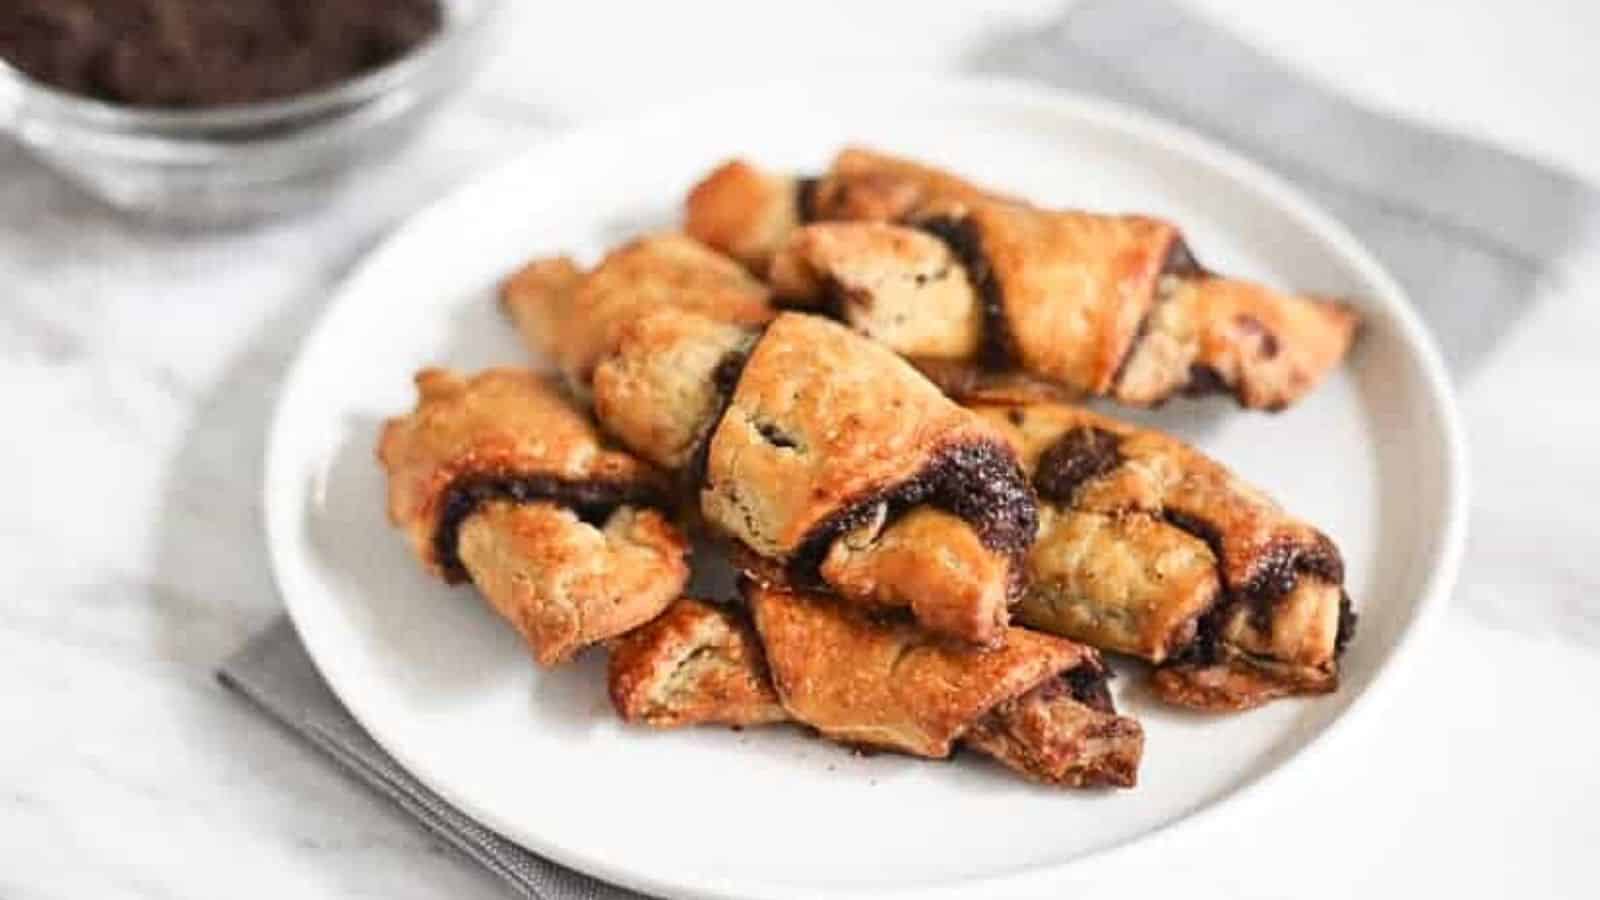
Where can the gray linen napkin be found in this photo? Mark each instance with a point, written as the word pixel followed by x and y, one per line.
pixel 1468 229
pixel 274 672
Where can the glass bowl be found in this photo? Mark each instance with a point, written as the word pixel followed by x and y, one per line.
pixel 245 163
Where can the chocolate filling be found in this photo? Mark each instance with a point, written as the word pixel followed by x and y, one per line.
pixel 978 481
pixel 592 501
pixel 1089 685
pixel 1201 649
pixel 1275 574
pixel 725 377
pixel 1081 454
pixel 1251 325
pixel 1085 453
pixel 837 299
pixel 1180 263
pixel 805 200
pixel 1204 380
pixel 776 436
pixel 966 243
pixel 1347 625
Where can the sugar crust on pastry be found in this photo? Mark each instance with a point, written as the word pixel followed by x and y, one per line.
pixel 1104 305
pixel 1148 547
pixel 807 432
pixel 498 479
pixel 890 685
pixel 699 663
pixel 574 316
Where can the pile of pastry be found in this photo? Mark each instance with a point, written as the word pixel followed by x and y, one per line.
pixel 862 387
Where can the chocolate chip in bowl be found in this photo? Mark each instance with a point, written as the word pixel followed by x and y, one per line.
pixel 193 112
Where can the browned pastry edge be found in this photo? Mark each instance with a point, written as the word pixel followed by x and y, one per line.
pixel 697 663
pixel 1064 732
pixel 503 433
pixel 1179 263
pixel 1036 703
pixel 1206 673
pixel 574 315
pixel 1261 567
pixel 591 500
pixel 831 427
pixel 999 507
pixel 999 349
pixel 967 383
pixel 1232 348
pixel 500 480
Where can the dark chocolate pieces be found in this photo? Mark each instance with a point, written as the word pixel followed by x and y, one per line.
pixel 725 378
pixel 966 244
pixel 1082 454
pixel 979 482
pixel 591 501
pixel 1086 453
pixel 195 54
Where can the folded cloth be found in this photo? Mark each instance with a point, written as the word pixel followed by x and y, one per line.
pixel 1469 230
pixel 274 672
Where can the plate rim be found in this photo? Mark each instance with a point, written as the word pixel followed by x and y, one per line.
pixel 280 505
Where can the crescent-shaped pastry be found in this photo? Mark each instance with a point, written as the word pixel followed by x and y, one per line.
pixel 574 316
pixel 1035 702
pixel 497 479
pixel 828 460
pixel 1150 548
pixel 1038 704
pixel 1102 305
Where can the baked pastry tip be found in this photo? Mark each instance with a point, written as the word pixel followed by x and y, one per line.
pixel 499 480
pixel 941 269
pixel 827 460
pixel 573 316
pixel 698 663
pixel 1148 547
pixel 1034 702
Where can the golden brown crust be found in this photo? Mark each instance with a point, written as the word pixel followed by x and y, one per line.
pixel 1048 737
pixel 967 382
pixel 538 299
pixel 483 476
pixel 1267 349
pixel 1127 583
pixel 499 423
pixel 743 212
pixel 820 418
pixel 1072 297
pixel 1132 520
pixel 1073 287
pixel 890 684
pixel 697 664
pixel 658 393
pixel 578 321
pixel 564 583
pixel 913 184
pixel 931 563
pixel 810 431
pixel 900 287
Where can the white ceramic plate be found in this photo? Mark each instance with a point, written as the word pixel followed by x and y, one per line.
pixel 1373 457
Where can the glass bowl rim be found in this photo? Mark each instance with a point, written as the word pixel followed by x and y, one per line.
pixel 202 125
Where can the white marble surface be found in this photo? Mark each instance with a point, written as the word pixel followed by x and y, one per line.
pixel 137 369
